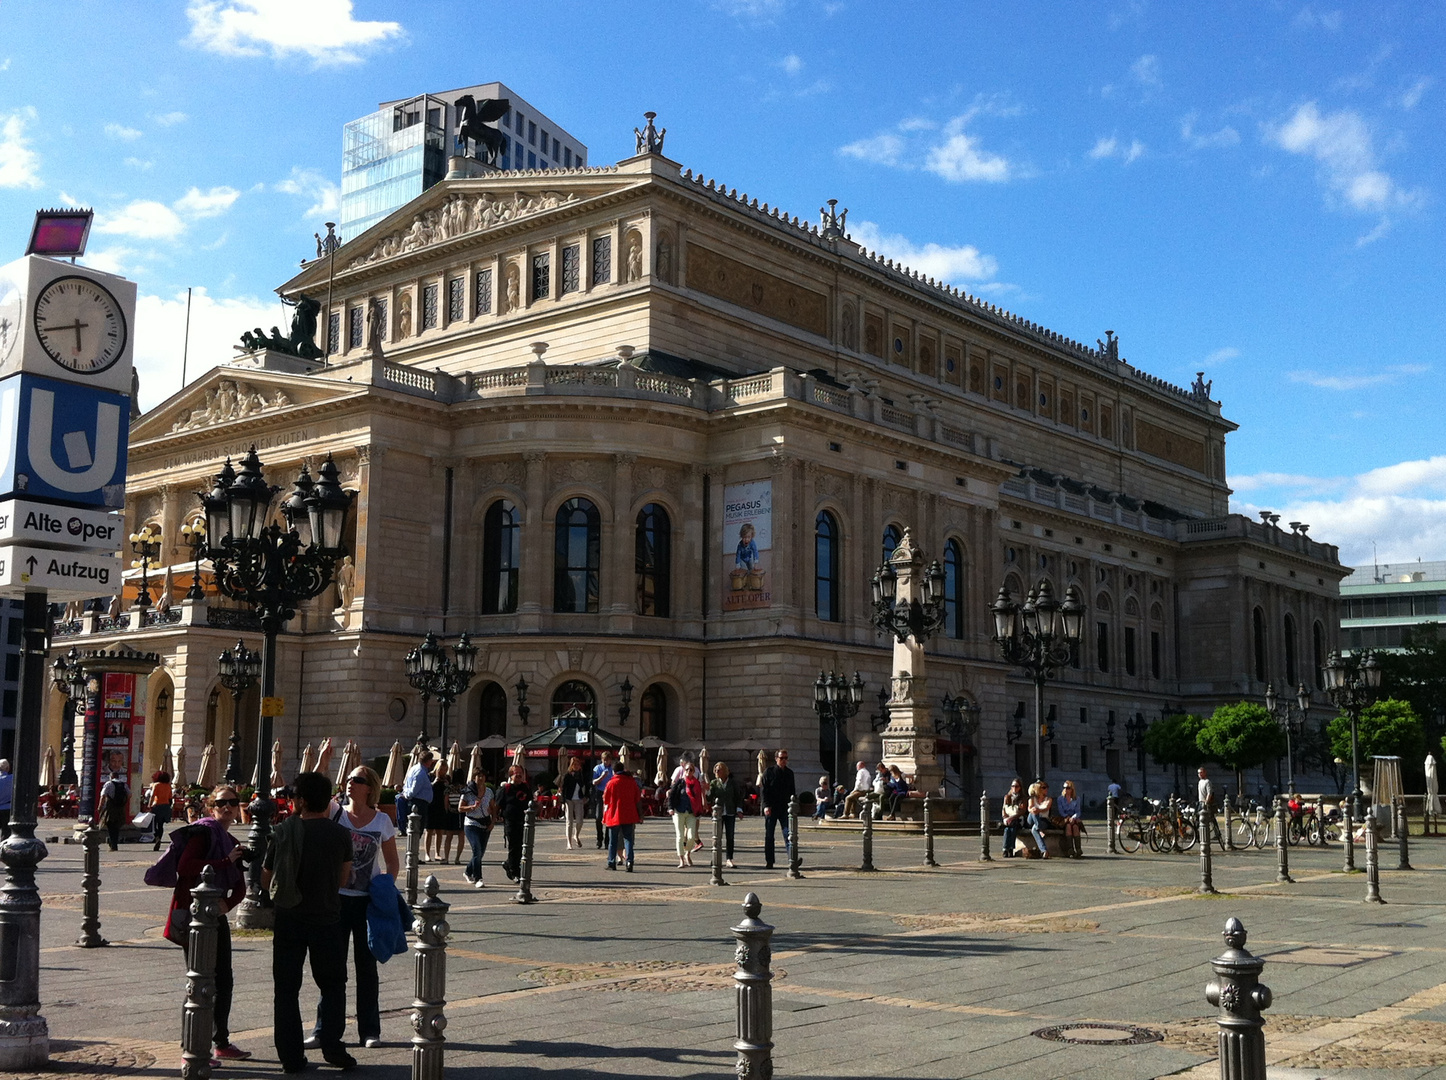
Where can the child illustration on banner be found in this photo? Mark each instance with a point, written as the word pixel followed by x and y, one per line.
pixel 747 541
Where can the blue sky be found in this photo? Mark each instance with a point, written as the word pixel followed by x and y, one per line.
pixel 1252 189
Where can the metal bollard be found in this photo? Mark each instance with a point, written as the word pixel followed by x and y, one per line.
pixel 1282 843
pixel 90 937
pixel 429 986
pixel 1229 823
pixel 414 852
pixel 1373 860
pixel 754 984
pixel 928 833
pixel 524 862
pixel 1111 817
pixel 198 1014
pixel 868 863
pixel 1320 811
pixel 1350 841
pixel 984 855
pixel 794 858
pixel 1403 832
pixel 1241 996
pixel 1207 880
pixel 716 878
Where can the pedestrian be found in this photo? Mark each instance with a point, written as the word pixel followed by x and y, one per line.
pixel 1041 810
pixel 686 759
pixel 512 800
pixel 621 799
pixel 373 838
pixel 159 799
pixel 416 789
pixel 685 803
pixel 723 791
pixel 7 796
pixel 307 864
pixel 863 784
pixel 208 842
pixel 1013 816
pixel 441 818
pixel 115 801
pixel 1205 794
pixel 822 798
pixel 1068 808
pixel 478 813
pixel 602 774
pixel 576 790
pixel 777 788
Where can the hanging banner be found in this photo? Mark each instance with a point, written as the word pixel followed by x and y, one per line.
pixel 747 545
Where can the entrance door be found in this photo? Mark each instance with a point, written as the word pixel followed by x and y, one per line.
pixel 1024 761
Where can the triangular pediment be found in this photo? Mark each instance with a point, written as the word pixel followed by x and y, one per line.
pixel 236 395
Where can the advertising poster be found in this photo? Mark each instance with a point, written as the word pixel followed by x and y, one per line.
pixel 747 545
pixel 120 733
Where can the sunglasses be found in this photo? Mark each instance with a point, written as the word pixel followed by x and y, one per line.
pixel 228 802
pixel 358 780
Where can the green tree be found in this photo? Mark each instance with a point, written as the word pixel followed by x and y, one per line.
pixel 1171 742
pixel 1241 736
pixel 1389 727
pixel 1417 674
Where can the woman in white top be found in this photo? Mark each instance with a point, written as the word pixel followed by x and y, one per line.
pixel 373 839
pixel 478 816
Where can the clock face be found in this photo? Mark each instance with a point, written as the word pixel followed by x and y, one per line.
pixel 10 310
pixel 80 325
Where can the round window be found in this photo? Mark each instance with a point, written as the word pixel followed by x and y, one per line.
pixel 1084 414
pixel 1043 401
pixel 898 345
pixel 949 364
pixel 1009 554
pixel 998 382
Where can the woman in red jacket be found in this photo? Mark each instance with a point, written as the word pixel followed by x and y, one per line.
pixel 620 814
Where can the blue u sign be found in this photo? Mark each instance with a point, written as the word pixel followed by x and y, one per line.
pixel 62 441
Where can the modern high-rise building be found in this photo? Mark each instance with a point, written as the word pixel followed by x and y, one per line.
pixel 391 156
pixel 1383 603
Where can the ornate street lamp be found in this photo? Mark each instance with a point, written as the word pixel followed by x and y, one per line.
pixel 1135 731
pixel 625 709
pixel 1107 740
pixel 1291 720
pixel 436 675
pixel 240 668
pixel 522 706
pixel 1039 636
pixel 837 701
pixel 271 569
pixel 1352 684
pixel 880 719
pixel 68 675
pixel 147 547
pixel 960 720
pixel 193 535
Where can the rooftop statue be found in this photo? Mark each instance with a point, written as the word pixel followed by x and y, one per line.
pixel 650 139
pixel 302 340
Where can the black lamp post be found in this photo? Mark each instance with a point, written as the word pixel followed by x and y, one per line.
pixel 1352 684
pixel 1107 740
pixel 68 675
pixel 240 668
pixel 1291 720
pixel 1135 740
pixel 193 535
pixel 436 675
pixel 147 547
pixel 960 720
pixel 625 709
pixel 271 569
pixel 522 706
pixel 836 700
pixel 881 718
pixel 920 617
pixel 1040 636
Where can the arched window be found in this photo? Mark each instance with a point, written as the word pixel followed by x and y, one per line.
pixel 892 537
pixel 654 560
pixel 653 707
pixel 574 694
pixel 953 590
pixel 1291 679
pixel 491 710
pixel 578 555
pixel 1258 638
pixel 1317 654
pixel 500 557
pixel 825 562
pixel 1102 633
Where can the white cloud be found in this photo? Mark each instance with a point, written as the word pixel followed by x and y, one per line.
pixel 759 10
pixel 1383 227
pixel 170 119
pixel 113 260
pixel 325 196
pixel 1341 142
pixel 216 325
pixel 5 64
pixel 917 123
pixel 1104 148
pixel 955 265
pixel 1221 355
pixel 147 219
pixel 1415 92
pixel 956 155
pixel 1309 18
pixel 323 30
pixel 1214 140
pixel 959 158
pixel 1359 381
pixel 1146 71
pixel 1112 147
pixel 19 164
pixel 792 63
pixel 204 204
pixel 138 163
pixel 882 149
pixel 120 131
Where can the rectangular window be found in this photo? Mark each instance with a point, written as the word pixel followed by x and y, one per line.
pixel 429 307
pixel 1084 757
pixel 1054 755
pixel 602 260
pixel 11 697
pixel 571 268
pixel 1102 646
pixel 507 119
pixel 483 299
pixel 14 631
pixel 541 276
pixel 354 328
pixel 1084 715
pixel 333 333
pixel 531 133
pixel 546 140
pixel 12 667
pixel 567 157
pixel 1129 650
pixel 519 152
pixel 517 127
pixel 456 300
pixel 556 150
pixel 1155 654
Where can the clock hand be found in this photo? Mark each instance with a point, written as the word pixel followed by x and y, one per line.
pixel 77 326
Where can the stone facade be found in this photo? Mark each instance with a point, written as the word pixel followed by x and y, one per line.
pixel 634 338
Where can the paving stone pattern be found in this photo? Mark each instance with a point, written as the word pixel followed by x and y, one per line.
pixel 915 972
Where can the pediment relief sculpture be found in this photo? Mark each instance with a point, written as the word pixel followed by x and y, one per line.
pixel 461 214
pixel 230 399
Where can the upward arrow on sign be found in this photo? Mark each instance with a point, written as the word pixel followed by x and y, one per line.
pixel 30 564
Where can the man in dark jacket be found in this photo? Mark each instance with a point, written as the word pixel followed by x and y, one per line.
pixel 778 788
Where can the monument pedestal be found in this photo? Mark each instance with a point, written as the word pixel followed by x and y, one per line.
pixel 909 740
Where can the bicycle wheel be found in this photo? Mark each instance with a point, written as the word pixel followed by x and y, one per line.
pixel 1243 832
pixel 1293 832
pixel 1162 835
pixel 1185 835
pixel 1130 835
pixel 1312 829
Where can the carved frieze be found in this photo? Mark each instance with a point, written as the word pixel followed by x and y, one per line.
pixel 727 279
pixel 461 214
pixel 501 472
pixel 229 399
pixel 1169 445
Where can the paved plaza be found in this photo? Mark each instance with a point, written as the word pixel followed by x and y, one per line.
pixel 910 971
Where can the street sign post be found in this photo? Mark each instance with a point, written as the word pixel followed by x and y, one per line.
pixel 24 521
pixel 65 575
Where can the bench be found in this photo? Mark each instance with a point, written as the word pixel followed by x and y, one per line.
pixel 1054 844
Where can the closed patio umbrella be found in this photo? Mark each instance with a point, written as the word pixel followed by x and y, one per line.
pixel 277 779
pixel 178 778
pixel 168 766
pixel 660 777
pixel 323 755
pixel 454 759
pixel 394 774
pixel 308 759
pixel 474 766
pixel 1433 788
pixel 47 768
pixel 703 772
pixel 203 771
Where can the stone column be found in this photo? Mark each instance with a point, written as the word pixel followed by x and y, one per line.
pixel 621 567
pixel 534 593
pixel 367 530
pixel 908 739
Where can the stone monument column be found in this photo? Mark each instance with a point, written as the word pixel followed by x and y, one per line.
pixel 909 740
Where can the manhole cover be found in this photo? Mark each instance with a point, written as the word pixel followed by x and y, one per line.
pixel 1099 1034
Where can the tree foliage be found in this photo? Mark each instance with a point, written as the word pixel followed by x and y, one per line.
pixel 1417 674
pixel 1387 728
pixel 1171 740
pixel 1241 736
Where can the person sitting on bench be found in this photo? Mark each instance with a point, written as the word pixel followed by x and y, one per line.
pixel 1041 809
pixel 863 784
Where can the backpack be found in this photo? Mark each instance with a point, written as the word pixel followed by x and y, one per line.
pixel 679 801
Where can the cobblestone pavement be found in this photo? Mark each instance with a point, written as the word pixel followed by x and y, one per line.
pixel 911 971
